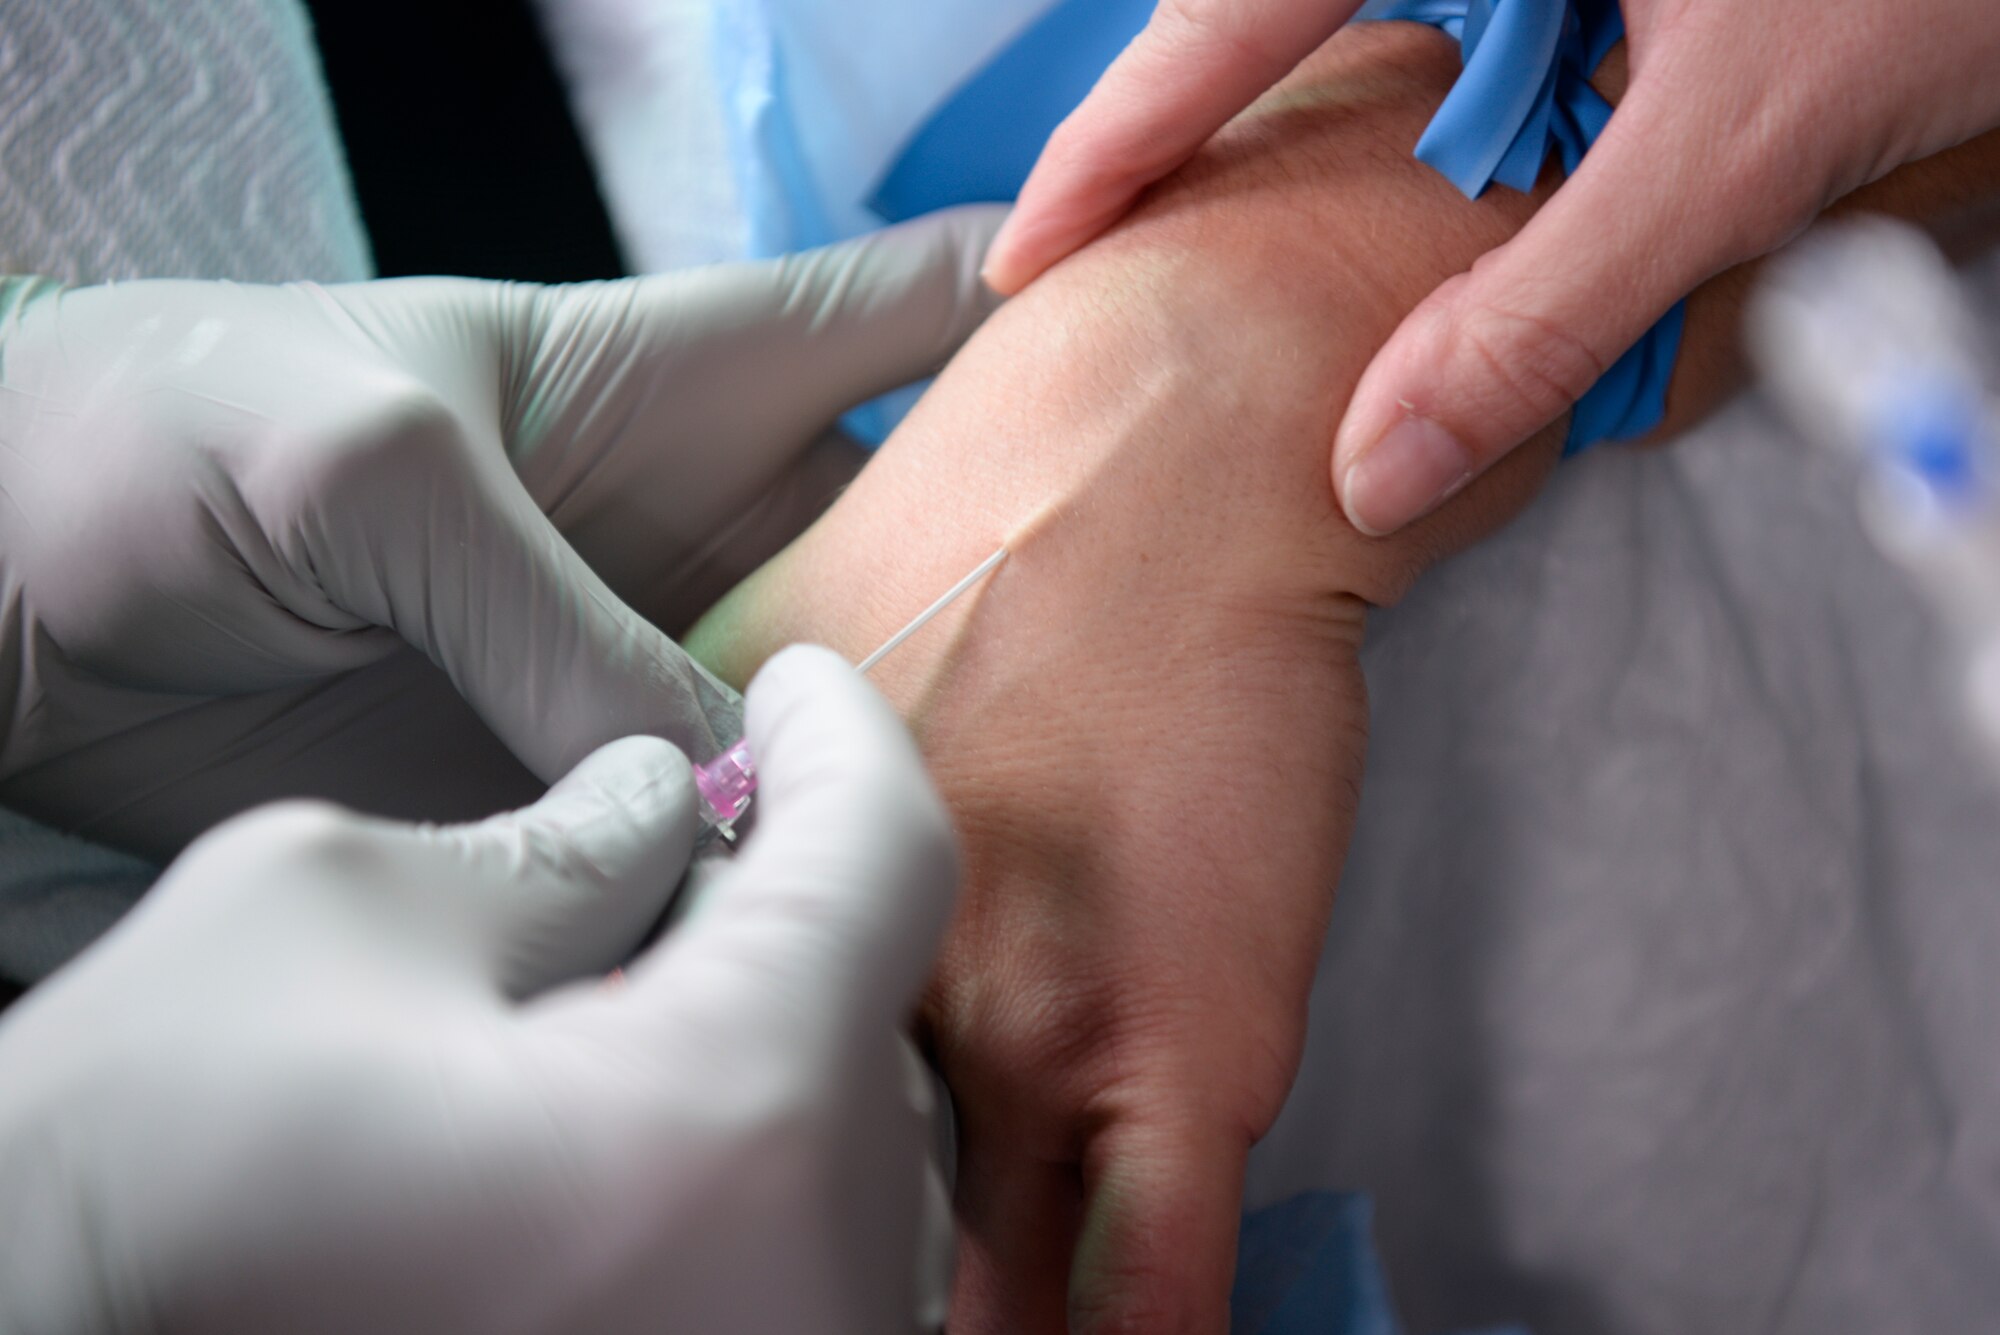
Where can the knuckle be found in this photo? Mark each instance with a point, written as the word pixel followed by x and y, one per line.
pixel 531 843
pixel 1750 204
pixel 395 434
pixel 1529 367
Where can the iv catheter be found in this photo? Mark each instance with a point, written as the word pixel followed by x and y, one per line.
pixel 727 782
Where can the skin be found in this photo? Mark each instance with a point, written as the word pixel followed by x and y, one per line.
pixel 1150 722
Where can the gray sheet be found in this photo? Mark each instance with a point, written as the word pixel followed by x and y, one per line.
pixel 1661 991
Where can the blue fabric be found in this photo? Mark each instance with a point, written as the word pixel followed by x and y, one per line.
pixel 781 206
pixel 1526 89
pixel 1307 1266
pixel 980 145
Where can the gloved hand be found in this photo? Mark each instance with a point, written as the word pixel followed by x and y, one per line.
pixel 216 499
pixel 1741 123
pixel 326 1078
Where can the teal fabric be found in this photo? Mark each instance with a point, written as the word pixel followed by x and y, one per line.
pixel 57 895
pixel 1307 1266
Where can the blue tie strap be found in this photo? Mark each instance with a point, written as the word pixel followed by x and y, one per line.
pixel 1526 91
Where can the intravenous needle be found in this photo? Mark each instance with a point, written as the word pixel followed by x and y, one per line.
pixel 727 782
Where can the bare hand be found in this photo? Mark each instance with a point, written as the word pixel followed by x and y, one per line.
pixel 1741 124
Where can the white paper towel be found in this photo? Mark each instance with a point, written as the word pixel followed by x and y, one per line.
pixel 170 138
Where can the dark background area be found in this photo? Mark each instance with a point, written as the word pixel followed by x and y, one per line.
pixel 460 141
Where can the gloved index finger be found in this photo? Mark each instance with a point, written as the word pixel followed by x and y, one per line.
pixel 408 515
pixel 1196 64
pixel 703 387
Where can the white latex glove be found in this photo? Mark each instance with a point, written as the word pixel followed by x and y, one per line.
pixel 215 500
pixel 319 1081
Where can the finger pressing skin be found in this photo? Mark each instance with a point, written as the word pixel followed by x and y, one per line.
pixel 1197 63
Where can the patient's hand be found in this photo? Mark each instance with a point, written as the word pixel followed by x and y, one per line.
pixel 1150 722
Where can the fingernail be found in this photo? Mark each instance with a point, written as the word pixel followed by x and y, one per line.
pixel 996 248
pixel 999 279
pixel 1410 472
pixel 999 269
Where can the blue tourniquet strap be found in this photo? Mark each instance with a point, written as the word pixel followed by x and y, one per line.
pixel 1526 89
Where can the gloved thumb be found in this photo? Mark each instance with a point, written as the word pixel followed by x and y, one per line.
pixel 827 923
pixel 569 886
pixel 1497 353
pixel 566 887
